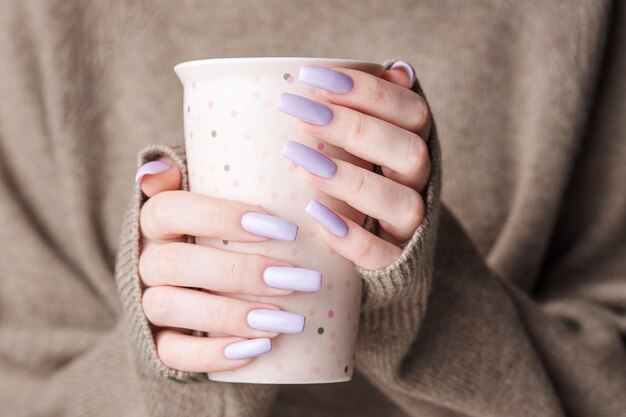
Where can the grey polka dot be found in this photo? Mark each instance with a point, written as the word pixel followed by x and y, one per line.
pixel 188 109
pixel 353 356
pixel 213 133
pixel 225 242
pixel 286 75
pixel 226 167
pixel 320 330
pixel 345 369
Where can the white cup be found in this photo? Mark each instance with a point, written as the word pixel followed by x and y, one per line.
pixel 234 135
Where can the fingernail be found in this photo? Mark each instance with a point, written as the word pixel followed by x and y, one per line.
pixel 276 321
pixel 152 167
pixel 309 159
pixel 327 218
pixel 305 109
pixel 325 78
pixel 408 69
pixel 248 348
pixel 270 226
pixel 289 278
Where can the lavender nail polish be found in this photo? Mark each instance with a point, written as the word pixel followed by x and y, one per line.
pixel 248 348
pixel 304 109
pixel 270 226
pixel 325 78
pixel 152 167
pixel 276 321
pixel 289 278
pixel 309 159
pixel 408 69
pixel 327 218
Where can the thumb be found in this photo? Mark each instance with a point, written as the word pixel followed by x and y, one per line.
pixel 158 176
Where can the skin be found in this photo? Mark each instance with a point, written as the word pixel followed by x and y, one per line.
pixel 381 121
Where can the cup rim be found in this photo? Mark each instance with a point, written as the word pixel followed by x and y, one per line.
pixel 266 59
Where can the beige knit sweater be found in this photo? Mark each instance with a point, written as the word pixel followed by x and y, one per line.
pixel 510 298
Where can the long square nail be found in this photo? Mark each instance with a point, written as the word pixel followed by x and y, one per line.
pixel 305 109
pixel 290 278
pixel 309 159
pixel 270 226
pixel 276 321
pixel 327 218
pixel 248 348
pixel 325 78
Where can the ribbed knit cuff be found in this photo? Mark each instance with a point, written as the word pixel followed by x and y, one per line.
pixel 408 277
pixel 127 270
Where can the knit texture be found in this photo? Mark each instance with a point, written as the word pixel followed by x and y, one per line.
pixel 508 300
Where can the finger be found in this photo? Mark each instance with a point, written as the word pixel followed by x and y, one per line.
pixel 398 77
pixel 171 214
pixel 371 95
pixel 402 152
pixel 207 354
pixel 199 310
pixel 159 175
pixel 398 208
pixel 188 265
pixel 352 241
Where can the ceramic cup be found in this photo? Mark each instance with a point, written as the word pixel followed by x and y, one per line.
pixel 234 135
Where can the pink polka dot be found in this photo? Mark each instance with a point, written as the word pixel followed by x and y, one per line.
pixel 293 196
pixel 274 195
pixel 320 146
pixel 349 316
pixel 236 184
pixel 314 370
pixel 292 167
pixel 312 234
pixel 333 335
pixel 201 179
pixel 331 314
pixel 307 350
pixel 210 104
pixel 191 135
pixel 216 190
pixel 225 147
pixel 269 105
pixel 257 78
pixel 354 327
pixel 330 287
pixel 293 252
pixel 264 154
pixel 246 136
pixel 348 283
pixel 333 350
pixel 257 94
pixel 290 79
pixel 262 178
pixel 311 311
pixel 267 250
pixel 233 113
pixel 193 85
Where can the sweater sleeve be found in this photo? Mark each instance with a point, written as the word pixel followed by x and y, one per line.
pixel 442 334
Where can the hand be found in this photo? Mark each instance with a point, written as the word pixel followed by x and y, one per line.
pixel 377 119
pixel 170 269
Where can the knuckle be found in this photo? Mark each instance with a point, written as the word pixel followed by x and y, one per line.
pixel 224 313
pixel 358 182
pixel 357 127
pixel 418 158
pixel 365 249
pixel 377 91
pixel 167 259
pixel 420 114
pixel 414 209
pixel 155 213
pixel 236 270
pixel 163 348
pixel 157 305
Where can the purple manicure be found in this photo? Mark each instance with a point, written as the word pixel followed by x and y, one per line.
pixel 248 348
pixel 289 278
pixel 325 78
pixel 309 159
pixel 270 226
pixel 152 167
pixel 304 109
pixel 276 321
pixel 327 218
pixel 408 69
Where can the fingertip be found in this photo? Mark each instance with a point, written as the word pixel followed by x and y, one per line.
pixel 397 76
pixel 159 175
